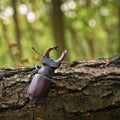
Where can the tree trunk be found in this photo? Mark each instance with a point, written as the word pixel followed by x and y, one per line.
pixel 80 90
pixel 57 20
pixel 17 28
pixel 118 11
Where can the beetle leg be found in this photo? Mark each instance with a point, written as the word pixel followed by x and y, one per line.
pixel 37 67
pixel 49 49
pixel 19 90
pixel 62 56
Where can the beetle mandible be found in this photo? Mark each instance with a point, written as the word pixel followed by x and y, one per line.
pixel 42 79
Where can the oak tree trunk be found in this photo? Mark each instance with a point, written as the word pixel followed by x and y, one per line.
pixel 80 90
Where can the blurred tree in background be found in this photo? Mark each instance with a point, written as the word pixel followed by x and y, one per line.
pixel 86 28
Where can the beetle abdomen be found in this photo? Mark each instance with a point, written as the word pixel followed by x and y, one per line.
pixel 39 86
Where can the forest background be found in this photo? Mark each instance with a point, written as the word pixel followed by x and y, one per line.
pixel 88 29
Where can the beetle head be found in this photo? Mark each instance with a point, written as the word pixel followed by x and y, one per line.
pixel 53 63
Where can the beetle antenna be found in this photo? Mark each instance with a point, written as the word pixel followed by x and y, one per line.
pixel 37 51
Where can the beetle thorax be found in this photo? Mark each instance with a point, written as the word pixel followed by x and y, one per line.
pixel 47 71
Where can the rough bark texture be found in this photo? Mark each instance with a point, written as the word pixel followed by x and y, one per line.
pixel 80 90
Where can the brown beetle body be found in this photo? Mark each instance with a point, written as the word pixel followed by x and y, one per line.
pixel 39 85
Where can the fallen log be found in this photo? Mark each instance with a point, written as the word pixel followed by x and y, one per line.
pixel 80 90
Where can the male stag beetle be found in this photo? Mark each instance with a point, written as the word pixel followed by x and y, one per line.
pixel 42 80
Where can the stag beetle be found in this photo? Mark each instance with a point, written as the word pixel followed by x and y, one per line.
pixel 42 79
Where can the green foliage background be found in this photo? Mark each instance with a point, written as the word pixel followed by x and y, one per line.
pixel 91 29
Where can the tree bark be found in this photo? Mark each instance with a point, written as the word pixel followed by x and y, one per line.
pixel 80 90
